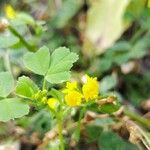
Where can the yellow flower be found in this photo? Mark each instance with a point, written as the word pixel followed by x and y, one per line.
pixel 91 88
pixel 52 103
pixel 9 11
pixel 73 98
pixel 70 86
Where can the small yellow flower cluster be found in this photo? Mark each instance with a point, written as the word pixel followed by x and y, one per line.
pixel 90 88
pixel 90 91
pixel 73 96
pixel 41 96
pixel 10 12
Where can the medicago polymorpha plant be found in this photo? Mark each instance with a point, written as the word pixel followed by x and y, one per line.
pixel 55 69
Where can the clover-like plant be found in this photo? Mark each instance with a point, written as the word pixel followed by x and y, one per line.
pixel 55 69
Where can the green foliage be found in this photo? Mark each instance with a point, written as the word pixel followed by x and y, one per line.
pixel 55 68
pixel 142 90
pixel 119 54
pixel 61 62
pixel 25 87
pixel 22 19
pixel 12 108
pixel 93 132
pixel 110 141
pixel 6 84
pixel 109 108
pixel 38 62
pixel 41 122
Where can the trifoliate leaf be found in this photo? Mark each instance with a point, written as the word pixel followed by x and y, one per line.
pixel 61 62
pixel 26 87
pixel 6 84
pixel 38 62
pixel 12 108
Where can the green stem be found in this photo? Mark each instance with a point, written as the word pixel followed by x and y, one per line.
pixel 60 130
pixel 44 84
pixel 22 40
pixel 79 122
pixel 138 118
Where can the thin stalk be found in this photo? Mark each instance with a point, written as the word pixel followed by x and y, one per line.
pixel 22 40
pixel 146 144
pixel 145 139
pixel 138 118
pixel 60 132
pixel 79 121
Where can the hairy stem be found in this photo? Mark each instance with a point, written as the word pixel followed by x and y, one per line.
pixel 60 132
pixel 79 121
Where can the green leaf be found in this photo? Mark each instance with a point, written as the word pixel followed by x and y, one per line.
pixel 103 29
pixel 61 62
pixel 93 132
pixel 111 141
pixel 66 12
pixel 6 84
pixel 41 122
pixel 145 20
pixel 109 108
pixel 26 87
pixel 58 77
pixel 8 40
pixel 23 19
pixel 140 48
pixel 103 122
pixel 107 83
pixel 12 108
pixel 38 62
